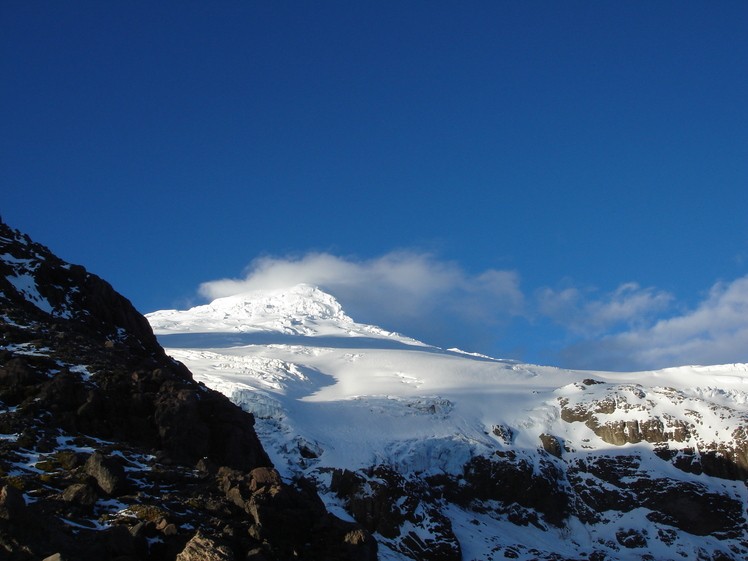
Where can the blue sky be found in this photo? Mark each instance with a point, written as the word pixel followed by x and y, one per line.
pixel 559 182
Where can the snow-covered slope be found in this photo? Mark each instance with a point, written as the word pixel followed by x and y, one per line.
pixel 505 459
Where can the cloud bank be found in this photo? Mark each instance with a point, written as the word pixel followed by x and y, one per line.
pixel 715 332
pixel 629 328
pixel 628 305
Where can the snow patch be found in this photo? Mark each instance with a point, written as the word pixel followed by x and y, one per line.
pixel 25 284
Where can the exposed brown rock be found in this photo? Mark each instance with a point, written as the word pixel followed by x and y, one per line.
pixel 728 460
pixel 551 444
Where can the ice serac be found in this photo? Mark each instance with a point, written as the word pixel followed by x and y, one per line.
pixel 109 449
pixel 443 454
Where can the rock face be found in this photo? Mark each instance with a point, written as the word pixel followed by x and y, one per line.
pixel 135 392
pixel 387 504
pixel 93 409
pixel 689 434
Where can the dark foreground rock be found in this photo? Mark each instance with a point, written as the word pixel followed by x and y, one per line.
pixel 109 449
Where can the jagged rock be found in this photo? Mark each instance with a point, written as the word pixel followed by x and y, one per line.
pixel 631 539
pixel 510 479
pixel 157 410
pixel 675 436
pixel 263 477
pixel 357 537
pixel 688 506
pixel 108 472
pixel 505 433
pixel 722 463
pixel 205 548
pixel 384 502
pixel 591 382
pixel 12 503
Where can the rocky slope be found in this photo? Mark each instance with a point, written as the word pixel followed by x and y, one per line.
pixel 442 455
pixel 109 449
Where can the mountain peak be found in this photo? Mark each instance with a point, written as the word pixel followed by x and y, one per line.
pixel 302 301
pixel 300 310
pixel 291 310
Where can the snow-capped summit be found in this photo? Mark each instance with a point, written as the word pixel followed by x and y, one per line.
pixel 301 310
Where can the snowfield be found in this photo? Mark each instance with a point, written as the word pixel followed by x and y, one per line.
pixel 328 392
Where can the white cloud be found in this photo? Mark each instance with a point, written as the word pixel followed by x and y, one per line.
pixel 628 305
pixel 715 332
pixel 405 291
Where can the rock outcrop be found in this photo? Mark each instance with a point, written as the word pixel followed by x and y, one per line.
pixel 689 434
pixel 109 448
pixel 393 507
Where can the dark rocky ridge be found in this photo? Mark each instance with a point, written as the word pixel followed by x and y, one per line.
pixel 109 449
pixel 137 394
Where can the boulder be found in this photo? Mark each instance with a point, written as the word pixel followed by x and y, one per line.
pixel 12 503
pixel 108 472
pixel 80 494
pixel 263 477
